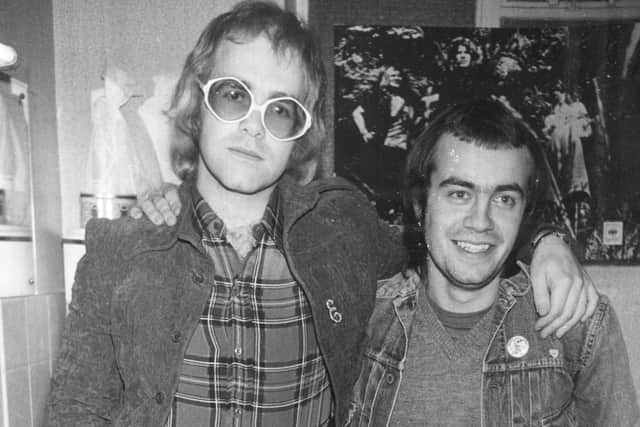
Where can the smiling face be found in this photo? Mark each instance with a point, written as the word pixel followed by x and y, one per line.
pixel 475 203
pixel 242 157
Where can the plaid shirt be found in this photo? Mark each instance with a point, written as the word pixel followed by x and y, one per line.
pixel 254 358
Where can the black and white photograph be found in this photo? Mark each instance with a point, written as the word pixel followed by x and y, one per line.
pixel 315 213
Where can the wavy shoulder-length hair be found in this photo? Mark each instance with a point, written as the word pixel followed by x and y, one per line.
pixel 288 36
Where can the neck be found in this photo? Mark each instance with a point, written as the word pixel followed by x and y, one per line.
pixel 456 299
pixel 234 208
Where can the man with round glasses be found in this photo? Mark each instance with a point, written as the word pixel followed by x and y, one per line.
pixel 284 118
pixel 251 308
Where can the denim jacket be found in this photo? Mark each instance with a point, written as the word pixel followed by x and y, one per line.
pixel 140 289
pixel 580 379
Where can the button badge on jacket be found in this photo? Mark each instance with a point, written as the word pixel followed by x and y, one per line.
pixel 334 314
pixel 517 346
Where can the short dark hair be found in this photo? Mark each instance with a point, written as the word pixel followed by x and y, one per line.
pixel 484 123
pixel 246 21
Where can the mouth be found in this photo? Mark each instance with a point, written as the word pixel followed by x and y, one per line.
pixel 245 154
pixel 473 248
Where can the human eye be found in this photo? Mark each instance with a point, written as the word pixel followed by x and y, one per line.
pixel 236 95
pixel 459 195
pixel 506 200
pixel 232 92
pixel 283 109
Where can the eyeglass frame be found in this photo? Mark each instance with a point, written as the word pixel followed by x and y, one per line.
pixel 206 87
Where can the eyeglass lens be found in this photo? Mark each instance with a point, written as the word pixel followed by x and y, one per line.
pixel 230 100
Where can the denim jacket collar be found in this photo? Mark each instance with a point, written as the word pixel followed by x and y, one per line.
pixel 400 286
pixel 512 287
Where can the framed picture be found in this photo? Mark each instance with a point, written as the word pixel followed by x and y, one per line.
pixel 577 86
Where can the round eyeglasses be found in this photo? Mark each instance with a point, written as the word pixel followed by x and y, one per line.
pixel 231 101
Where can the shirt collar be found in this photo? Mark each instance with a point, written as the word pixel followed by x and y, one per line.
pixel 272 219
pixel 207 221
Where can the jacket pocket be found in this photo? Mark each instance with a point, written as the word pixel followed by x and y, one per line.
pixel 529 393
pixel 374 393
pixel 565 417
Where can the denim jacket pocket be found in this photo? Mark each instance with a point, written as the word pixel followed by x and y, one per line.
pixel 374 393
pixel 565 417
pixel 529 393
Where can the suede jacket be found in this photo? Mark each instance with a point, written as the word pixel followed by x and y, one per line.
pixel 581 379
pixel 140 289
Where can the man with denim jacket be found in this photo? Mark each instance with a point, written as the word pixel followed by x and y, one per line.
pixel 252 308
pixel 457 346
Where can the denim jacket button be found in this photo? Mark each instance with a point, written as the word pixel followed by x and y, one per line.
pixel 175 337
pixel 390 378
pixel 159 397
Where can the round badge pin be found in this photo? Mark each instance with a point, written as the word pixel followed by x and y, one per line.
pixel 517 346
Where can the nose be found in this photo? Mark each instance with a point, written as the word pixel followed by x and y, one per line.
pixel 478 217
pixel 252 124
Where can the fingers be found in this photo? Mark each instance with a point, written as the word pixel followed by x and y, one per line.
pixel 170 193
pixel 135 212
pixel 592 297
pixel 540 291
pixel 561 293
pixel 560 275
pixel 152 211
pixel 564 301
pixel 577 314
pixel 162 205
pixel 574 299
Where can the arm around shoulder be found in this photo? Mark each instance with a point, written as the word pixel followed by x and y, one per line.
pixel 384 241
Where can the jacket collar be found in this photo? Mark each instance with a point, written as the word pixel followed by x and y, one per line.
pixel 296 201
pixel 401 285
pixel 409 281
pixel 187 226
pixel 514 286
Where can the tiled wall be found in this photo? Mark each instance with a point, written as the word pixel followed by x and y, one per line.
pixel 30 335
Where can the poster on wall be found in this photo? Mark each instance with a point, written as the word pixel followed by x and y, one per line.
pixel 577 87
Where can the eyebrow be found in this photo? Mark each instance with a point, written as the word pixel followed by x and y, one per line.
pixel 271 95
pixel 466 184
